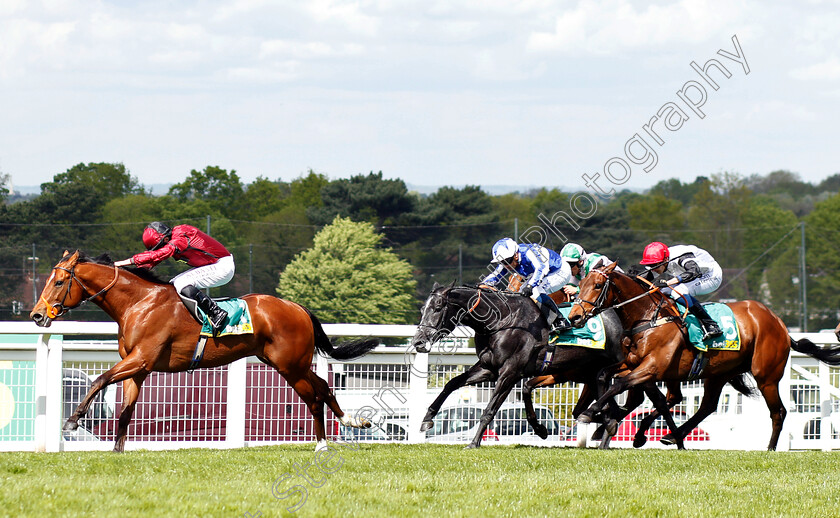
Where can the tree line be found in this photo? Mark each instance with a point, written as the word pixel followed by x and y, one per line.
pixel 751 224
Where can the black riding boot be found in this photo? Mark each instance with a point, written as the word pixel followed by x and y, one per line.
pixel 549 309
pixel 710 327
pixel 214 313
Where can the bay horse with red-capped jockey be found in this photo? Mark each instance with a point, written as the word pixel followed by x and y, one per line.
pixel 659 350
pixel 157 333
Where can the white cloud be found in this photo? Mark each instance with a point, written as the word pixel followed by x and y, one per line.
pixel 828 70
pixel 618 26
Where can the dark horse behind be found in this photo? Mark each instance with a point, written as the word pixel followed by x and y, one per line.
pixel 511 338
pixel 157 333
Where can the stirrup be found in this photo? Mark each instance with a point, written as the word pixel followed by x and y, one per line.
pixel 697 366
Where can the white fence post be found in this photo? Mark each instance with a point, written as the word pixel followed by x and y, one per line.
pixel 418 379
pixel 41 374
pixel 825 406
pixel 55 397
pixel 235 422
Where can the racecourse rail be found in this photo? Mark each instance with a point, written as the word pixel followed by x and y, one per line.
pixel 45 372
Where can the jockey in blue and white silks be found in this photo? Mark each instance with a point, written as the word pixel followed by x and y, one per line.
pixel 545 272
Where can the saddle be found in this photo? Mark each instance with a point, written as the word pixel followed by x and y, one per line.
pixel 192 307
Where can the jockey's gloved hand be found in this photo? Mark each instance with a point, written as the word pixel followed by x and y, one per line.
pixel 661 283
pixel 526 290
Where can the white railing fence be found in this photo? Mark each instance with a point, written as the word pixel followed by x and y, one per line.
pixel 44 373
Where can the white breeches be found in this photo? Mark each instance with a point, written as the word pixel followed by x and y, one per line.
pixel 551 283
pixel 707 283
pixel 209 276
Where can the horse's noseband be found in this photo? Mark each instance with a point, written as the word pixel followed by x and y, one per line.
pixel 59 308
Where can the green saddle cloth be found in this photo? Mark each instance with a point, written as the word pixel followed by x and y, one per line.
pixel 730 340
pixel 238 321
pixel 591 335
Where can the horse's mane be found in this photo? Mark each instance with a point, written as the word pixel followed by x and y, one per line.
pixel 106 260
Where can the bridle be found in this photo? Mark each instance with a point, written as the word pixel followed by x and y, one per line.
pixel 599 301
pixel 597 305
pixel 59 308
pixel 438 328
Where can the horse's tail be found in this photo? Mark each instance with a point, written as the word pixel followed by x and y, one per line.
pixel 829 354
pixel 343 351
pixel 739 383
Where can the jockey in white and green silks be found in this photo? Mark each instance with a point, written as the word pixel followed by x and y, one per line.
pixel 576 256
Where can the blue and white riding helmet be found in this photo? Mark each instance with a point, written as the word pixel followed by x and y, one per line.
pixel 504 250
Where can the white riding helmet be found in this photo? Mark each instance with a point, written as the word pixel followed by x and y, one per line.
pixel 504 250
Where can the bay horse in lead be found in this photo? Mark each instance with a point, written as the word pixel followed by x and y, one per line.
pixel 157 333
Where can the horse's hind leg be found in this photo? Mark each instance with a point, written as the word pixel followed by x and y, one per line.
pixel 131 390
pixel 314 402
pixel 322 389
pixel 126 368
pixel 770 391
pixel 530 413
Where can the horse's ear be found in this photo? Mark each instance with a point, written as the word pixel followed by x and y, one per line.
pixel 436 286
pixel 452 284
pixel 611 267
pixel 66 253
pixel 599 264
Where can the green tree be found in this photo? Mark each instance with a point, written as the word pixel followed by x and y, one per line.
pixel 657 217
pixel 347 276
pixel 107 180
pixel 222 190
pixel 363 198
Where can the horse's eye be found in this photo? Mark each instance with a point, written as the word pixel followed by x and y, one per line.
pixel 599 285
pixel 59 283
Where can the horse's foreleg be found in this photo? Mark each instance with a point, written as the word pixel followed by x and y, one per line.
pixel 635 397
pixel 530 413
pixel 661 405
pixel 712 388
pixel 500 392
pixel 473 375
pixel 673 398
pixel 639 376
pixel 131 390
pixel 126 368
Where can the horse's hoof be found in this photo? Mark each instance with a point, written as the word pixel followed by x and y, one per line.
pixel 639 440
pixel 70 425
pixel 427 425
pixel 611 427
pixel 541 431
pixel 598 434
pixel 668 440
pixel 584 418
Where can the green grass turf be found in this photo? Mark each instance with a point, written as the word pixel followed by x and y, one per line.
pixel 427 480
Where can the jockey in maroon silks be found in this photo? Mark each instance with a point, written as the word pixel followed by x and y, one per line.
pixel 212 264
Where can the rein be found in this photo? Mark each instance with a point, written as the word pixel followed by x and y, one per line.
pixel 654 321
pixel 56 310
pixel 504 324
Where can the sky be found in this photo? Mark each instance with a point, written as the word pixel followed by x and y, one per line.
pixel 483 92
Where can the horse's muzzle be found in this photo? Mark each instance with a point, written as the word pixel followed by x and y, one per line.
pixel 40 319
pixel 576 320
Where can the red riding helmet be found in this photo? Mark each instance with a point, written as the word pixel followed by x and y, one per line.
pixel 156 235
pixel 655 253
